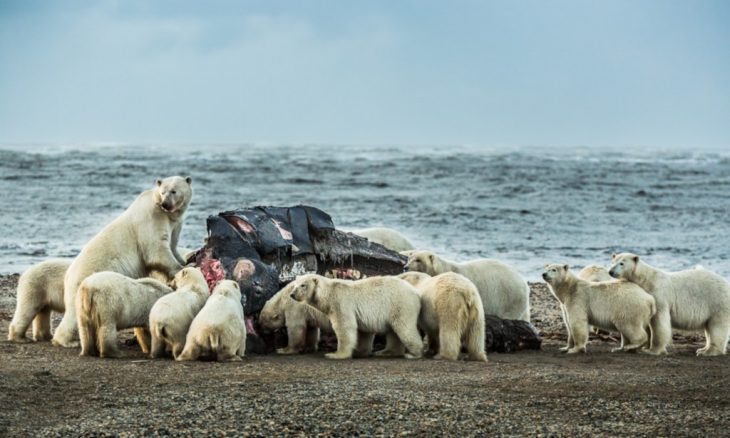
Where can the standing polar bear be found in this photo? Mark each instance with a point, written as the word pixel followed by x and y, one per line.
pixel 694 299
pixel 171 315
pixel 218 329
pixel 452 314
pixel 610 305
pixel 358 310
pixel 142 239
pixel 40 291
pixel 303 322
pixel 107 302
pixel 503 291
pixel 389 238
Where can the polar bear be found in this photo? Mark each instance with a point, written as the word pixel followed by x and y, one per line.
pixel 40 291
pixel 171 315
pixel 503 291
pixel 358 310
pixel 142 239
pixel 452 314
pixel 302 322
pixel 389 238
pixel 594 273
pixel 218 329
pixel 695 299
pixel 107 302
pixel 610 305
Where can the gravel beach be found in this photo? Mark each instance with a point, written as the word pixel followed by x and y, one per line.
pixel 47 391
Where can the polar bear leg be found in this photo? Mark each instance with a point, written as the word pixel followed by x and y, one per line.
pixel 157 347
pixel 66 333
pixel 107 335
pixel 579 332
pixel 408 335
pixel 449 344
pixel 345 328
pixel 87 336
pixel 567 328
pixel 633 333
pixel 661 327
pixel 393 347
pixel 311 342
pixel 296 334
pixel 242 348
pixel 475 341
pixel 143 338
pixel 42 325
pixel 717 332
pixel 190 352
pixel 364 344
pixel 227 353
pixel 24 314
pixel 177 349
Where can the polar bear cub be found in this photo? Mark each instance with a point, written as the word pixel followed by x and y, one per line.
pixel 358 310
pixel 594 273
pixel 503 291
pixel 610 305
pixel 40 291
pixel 694 299
pixel 452 314
pixel 389 238
pixel 302 322
pixel 218 329
pixel 107 302
pixel 171 315
pixel 142 239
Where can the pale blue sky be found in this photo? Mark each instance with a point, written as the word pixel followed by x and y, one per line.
pixel 552 73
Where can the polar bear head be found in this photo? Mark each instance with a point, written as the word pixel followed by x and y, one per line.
pixel 272 315
pixel 555 274
pixel 173 193
pixel 304 288
pixel 623 265
pixel 190 277
pixel 228 288
pixel 424 261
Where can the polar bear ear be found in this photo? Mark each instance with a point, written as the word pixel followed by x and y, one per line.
pixel 158 182
pixel 189 180
pixel 636 259
pixel 430 258
pixel 613 256
pixel 566 267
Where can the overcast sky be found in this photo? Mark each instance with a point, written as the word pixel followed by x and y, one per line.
pixel 604 73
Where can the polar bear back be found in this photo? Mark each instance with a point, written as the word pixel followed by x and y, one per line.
pixel 220 314
pixel 44 281
pixel 377 302
pixel 503 291
pixel 693 296
pixel 115 297
pixel 609 301
pixel 387 237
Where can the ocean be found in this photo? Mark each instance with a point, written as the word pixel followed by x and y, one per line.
pixel 525 206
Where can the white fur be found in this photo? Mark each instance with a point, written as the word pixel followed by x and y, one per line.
pixel 452 314
pixel 219 328
pixel 695 299
pixel 594 273
pixel 142 239
pixel 40 291
pixel 609 305
pixel 387 237
pixel 503 291
pixel 171 315
pixel 107 302
pixel 302 322
pixel 358 310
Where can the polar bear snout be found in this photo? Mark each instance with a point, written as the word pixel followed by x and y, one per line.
pixel 545 276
